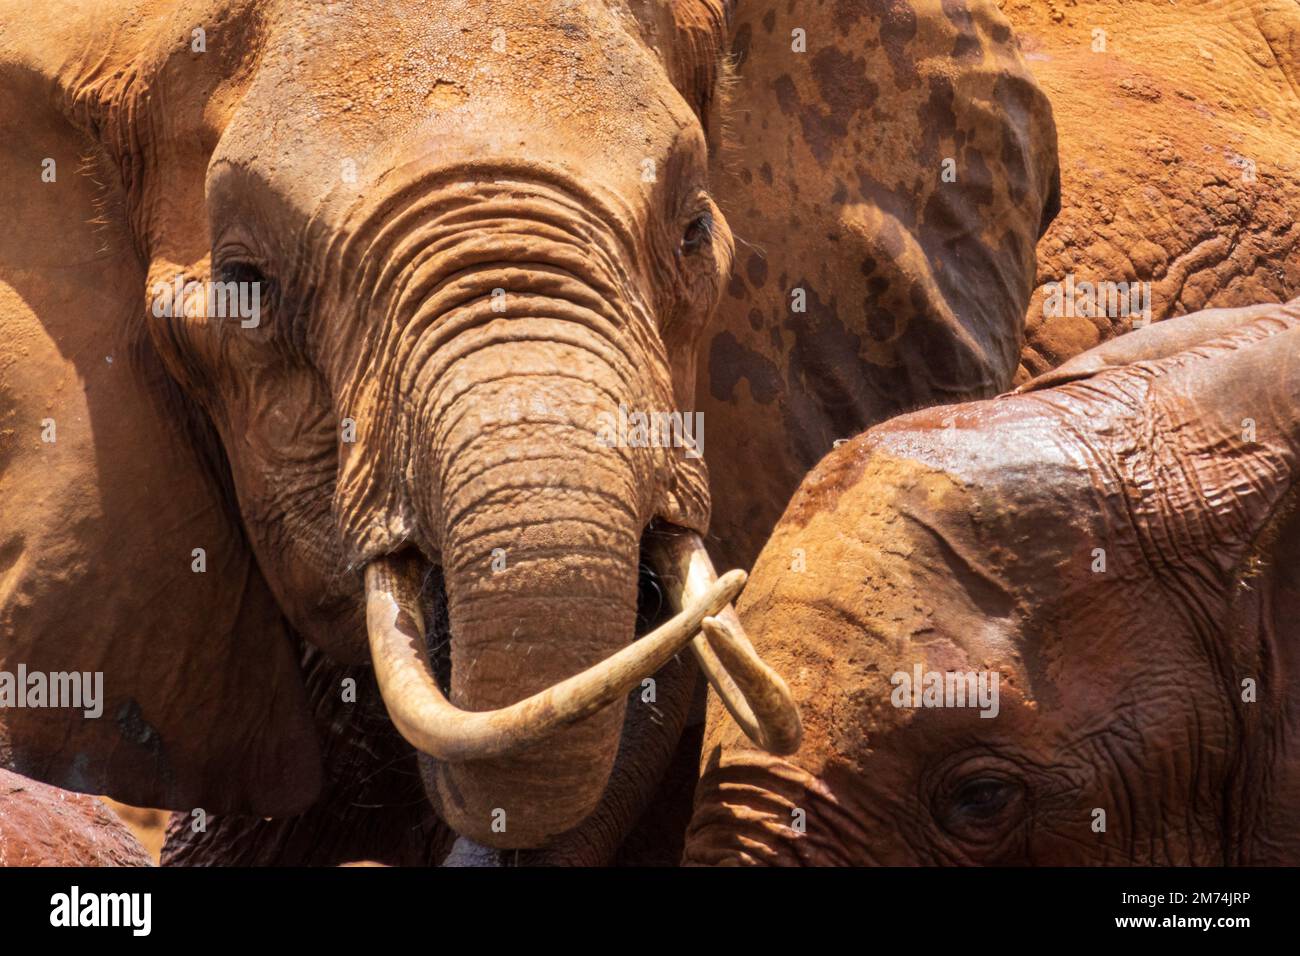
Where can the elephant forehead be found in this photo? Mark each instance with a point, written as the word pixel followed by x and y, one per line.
pixel 930 540
pixel 974 475
pixel 337 77
pixel 351 103
pixel 879 560
pixel 879 590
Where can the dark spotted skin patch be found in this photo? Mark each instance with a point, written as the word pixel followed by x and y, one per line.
pixel 730 362
pixel 834 185
pixel 897 30
pixel 740 45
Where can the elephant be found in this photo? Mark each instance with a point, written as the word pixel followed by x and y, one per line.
pixel 1176 124
pixel 341 454
pixel 42 825
pixel 1057 627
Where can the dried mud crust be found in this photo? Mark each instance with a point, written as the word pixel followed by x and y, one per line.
pixel 45 826
pixel 1155 135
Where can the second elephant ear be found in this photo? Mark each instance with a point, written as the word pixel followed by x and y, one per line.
pixel 1149 344
pixel 1226 468
pixel 123 566
pixel 886 168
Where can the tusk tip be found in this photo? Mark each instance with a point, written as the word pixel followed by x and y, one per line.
pixel 780 730
pixel 732 583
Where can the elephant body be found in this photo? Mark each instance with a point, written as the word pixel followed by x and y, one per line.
pixel 887 171
pixel 460 264
pixel 1177 127
pixel 372 807
pixel 1114 548
pixel 45 826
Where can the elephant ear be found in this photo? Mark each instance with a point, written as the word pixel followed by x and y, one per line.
pixel 886 169
pixel 1224 490
pixel 113 489
pixel 1149 344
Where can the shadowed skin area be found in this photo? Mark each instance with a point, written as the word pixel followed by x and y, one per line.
pixel 373 805
pixel 886 188
pixel 1178 144
pixel 1118 542
pixel 44 826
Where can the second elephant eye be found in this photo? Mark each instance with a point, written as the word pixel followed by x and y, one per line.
pixel 982 808
pixel 698 232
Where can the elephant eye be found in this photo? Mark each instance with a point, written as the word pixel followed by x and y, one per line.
pixel 698 232
pixel 984 799
pixel 242 272
pixel 240 290
pixel 982 808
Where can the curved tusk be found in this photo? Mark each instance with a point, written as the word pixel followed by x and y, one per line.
pixel 435 726
pixel 774 716
pixel 755 695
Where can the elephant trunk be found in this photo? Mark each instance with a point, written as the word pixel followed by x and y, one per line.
pixel 520 348
pixel 540 551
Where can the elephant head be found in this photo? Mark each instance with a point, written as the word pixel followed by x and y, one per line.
pixel 303 300
pixel 1056 627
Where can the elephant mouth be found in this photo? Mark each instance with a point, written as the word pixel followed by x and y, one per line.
pixel 652 609
pixel 409 647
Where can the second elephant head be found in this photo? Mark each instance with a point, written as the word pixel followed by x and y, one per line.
pixel 1056 628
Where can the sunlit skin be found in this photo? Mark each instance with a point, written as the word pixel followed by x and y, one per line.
pixel 46 826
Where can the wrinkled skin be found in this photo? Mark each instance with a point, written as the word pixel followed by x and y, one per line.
pixel 966 539
pixel 382 172
pixel 1153 135
pixel 832 176
pixel 44 826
